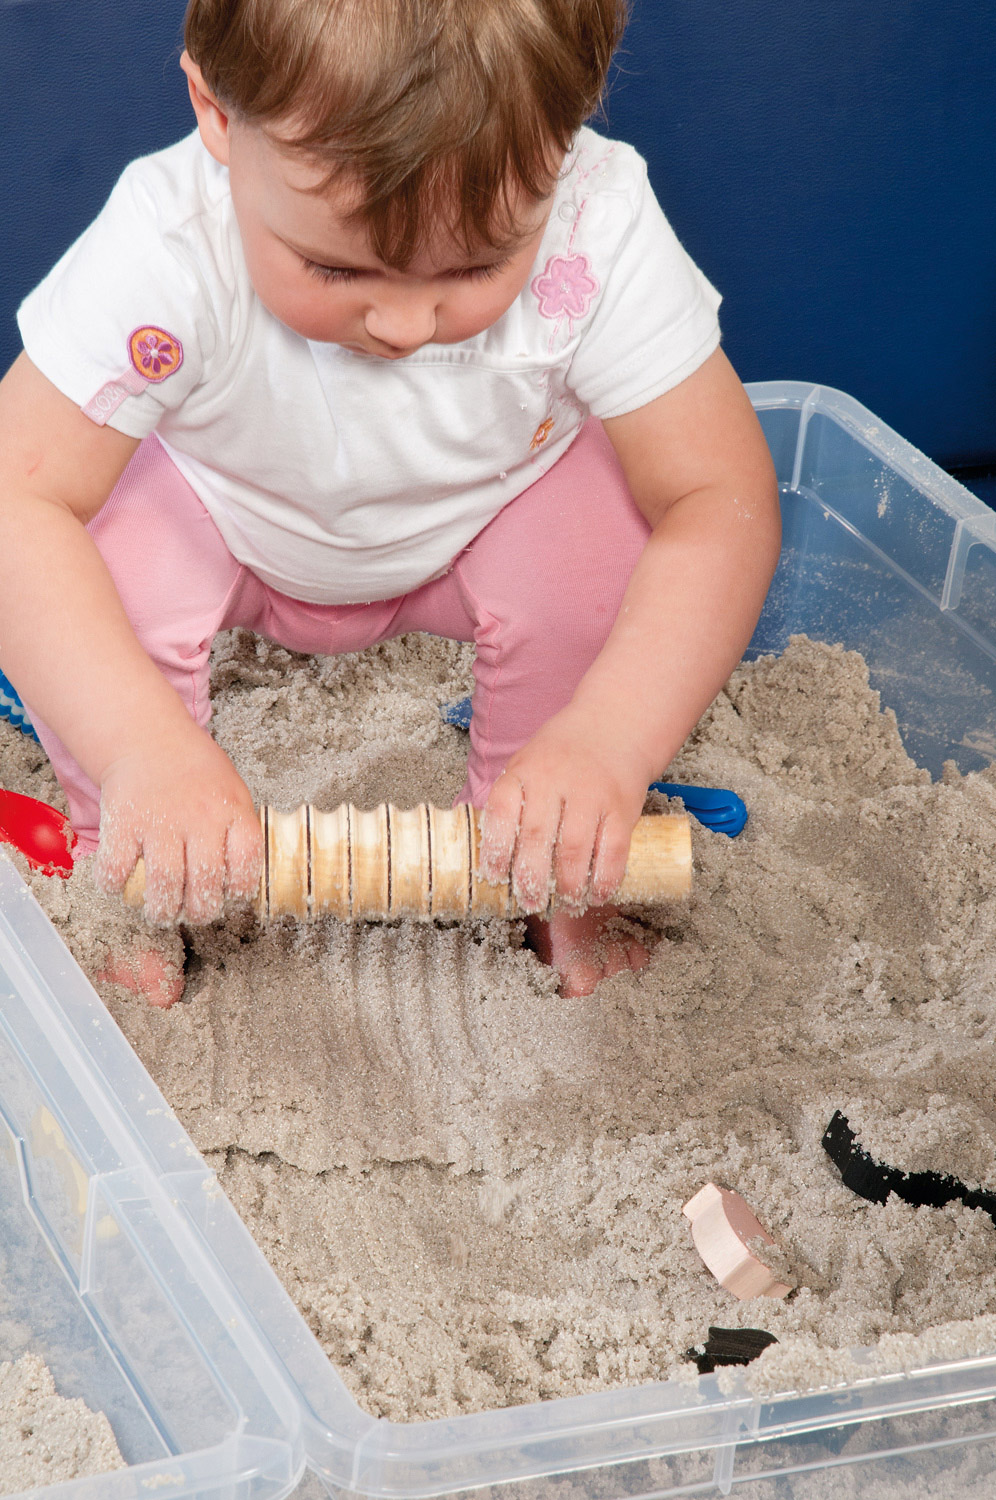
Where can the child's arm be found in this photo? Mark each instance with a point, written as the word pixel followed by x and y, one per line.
pixel 166 788
pixel 700 471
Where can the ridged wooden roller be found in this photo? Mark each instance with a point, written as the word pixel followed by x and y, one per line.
pixel 371 865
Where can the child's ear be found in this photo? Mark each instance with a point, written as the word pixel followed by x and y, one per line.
pixel 212 116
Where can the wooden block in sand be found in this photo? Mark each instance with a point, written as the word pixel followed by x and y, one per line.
pixel 723 1228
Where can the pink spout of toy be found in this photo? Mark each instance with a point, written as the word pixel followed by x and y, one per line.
pixel 40 832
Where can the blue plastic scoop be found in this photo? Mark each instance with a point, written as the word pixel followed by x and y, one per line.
pixel 722 811
pixel 13 709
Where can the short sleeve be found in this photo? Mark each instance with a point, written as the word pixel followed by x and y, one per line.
pixel 655 317
pixel 124 324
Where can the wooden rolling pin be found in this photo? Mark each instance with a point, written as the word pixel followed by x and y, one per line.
pixel 373 865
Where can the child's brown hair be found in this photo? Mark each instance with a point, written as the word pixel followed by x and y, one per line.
pixel 441 109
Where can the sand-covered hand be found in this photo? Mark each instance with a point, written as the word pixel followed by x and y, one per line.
pixel 183 808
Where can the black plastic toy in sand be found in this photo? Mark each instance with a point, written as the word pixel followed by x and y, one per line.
pixel 730 1346
pixel 873 1180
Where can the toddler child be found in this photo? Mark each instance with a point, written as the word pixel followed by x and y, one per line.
pixel 392 342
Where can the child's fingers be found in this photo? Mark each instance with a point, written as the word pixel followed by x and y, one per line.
pixel 611 854
pixel 572 856
pixel 165 875
pixel 533 861
pixel 243 857
pixel 500 828
pixel 204 893
pixel 117 853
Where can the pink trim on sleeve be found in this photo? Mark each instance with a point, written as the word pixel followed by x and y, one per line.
pixel 154 355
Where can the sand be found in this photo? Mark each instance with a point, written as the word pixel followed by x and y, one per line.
pixel 45 1438
pixel 472 1187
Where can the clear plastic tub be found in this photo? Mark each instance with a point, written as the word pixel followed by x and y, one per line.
pixel 890 556
pixel 206 1367
pixel 101 1273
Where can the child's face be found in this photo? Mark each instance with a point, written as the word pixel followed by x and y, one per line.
pixel 315 270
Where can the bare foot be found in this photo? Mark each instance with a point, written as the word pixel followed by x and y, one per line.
pixel 585 949
pixel 146 972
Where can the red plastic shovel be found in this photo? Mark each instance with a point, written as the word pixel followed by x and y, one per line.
pixel 43 835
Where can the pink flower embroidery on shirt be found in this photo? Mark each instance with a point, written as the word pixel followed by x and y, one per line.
pixel 565 286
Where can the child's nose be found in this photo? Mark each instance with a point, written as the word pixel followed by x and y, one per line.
pixel 404 322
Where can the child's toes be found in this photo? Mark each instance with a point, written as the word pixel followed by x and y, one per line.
pixel 625 951
pixel 146 972
pixel 587 948
pixel 580 969
pixel 616 957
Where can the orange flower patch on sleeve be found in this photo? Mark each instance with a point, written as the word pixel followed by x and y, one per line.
pixel 154 353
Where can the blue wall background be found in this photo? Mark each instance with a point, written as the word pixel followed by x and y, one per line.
pixel 829 163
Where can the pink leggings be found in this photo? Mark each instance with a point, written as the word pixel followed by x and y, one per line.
pixel 536 591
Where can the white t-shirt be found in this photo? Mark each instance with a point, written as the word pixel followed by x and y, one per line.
pixel 338 477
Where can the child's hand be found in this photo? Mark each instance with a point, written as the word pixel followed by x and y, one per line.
pixel 182 805
pixel 565 806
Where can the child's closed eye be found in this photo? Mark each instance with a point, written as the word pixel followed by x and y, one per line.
pixel 481 273
pixel 342 275
pixel 338 274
